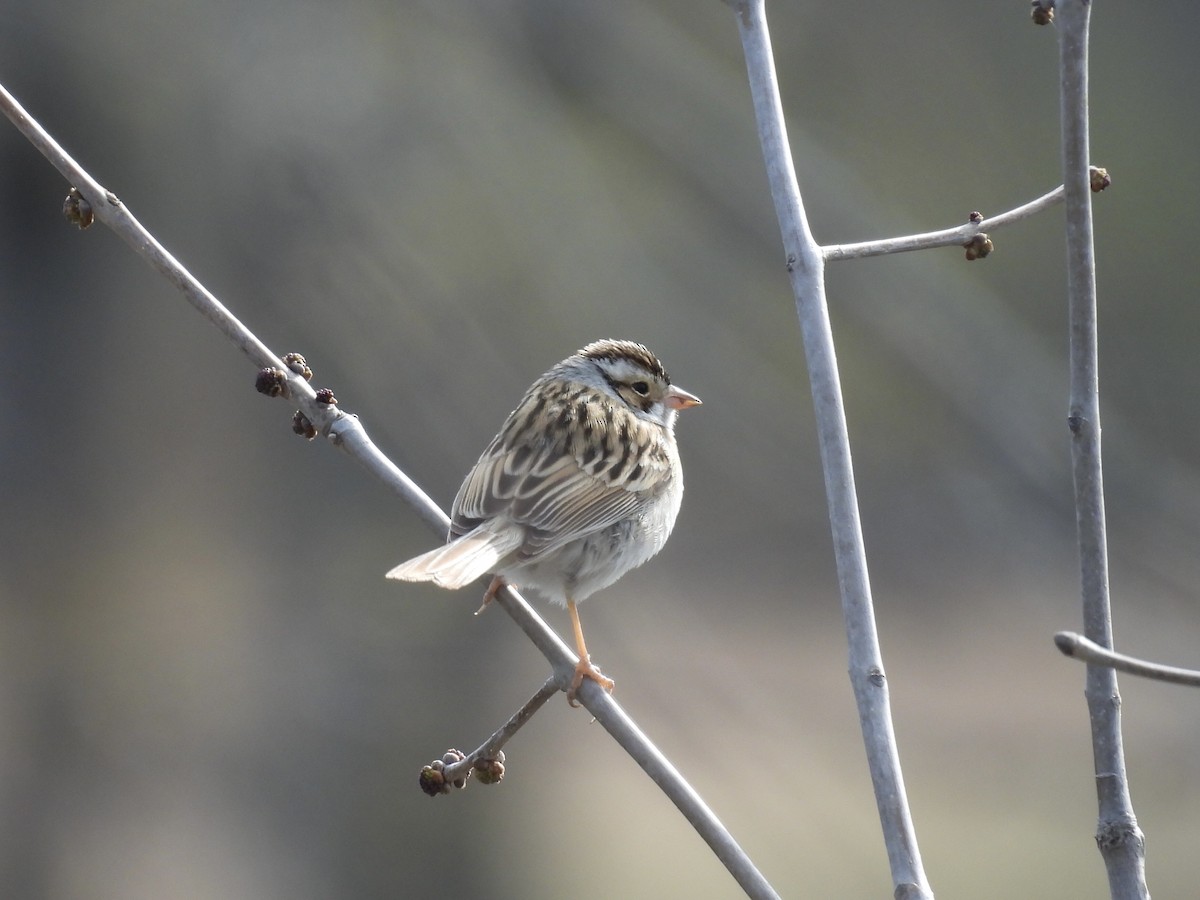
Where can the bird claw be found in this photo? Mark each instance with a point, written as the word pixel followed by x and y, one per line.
pixel 585 669
pixel 493 588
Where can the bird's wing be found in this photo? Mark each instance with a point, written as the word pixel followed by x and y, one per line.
pixel 598 470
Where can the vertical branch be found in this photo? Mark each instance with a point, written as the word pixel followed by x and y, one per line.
pixel 1120 840
pixel 806 268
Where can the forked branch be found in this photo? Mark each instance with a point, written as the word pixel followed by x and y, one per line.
pixel 806 267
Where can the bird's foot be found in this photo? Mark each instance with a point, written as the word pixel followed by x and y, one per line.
pixel 489 595
pixel 585 669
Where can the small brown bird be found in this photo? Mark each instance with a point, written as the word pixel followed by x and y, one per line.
pixel 582 484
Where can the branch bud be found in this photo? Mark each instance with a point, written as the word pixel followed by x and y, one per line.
pixel 269 381
pixel 978 246
pixel 77 209
pixel 299 365
pixel 1042 12
pixel 303 427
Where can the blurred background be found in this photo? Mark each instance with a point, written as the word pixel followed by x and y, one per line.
pixel 207 689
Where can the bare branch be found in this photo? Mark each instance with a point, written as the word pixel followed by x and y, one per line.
pixel 505 732
pixel 806 267
pixel 347 432
pixel 1078 647
pixel 113 213
pixel 455 767
pixel 1121 842
pixel 948 237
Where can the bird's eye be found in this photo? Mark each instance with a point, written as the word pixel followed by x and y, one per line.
pixel 640 388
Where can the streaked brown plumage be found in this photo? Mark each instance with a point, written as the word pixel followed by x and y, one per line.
pixel 582 484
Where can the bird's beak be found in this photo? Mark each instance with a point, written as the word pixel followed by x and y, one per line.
pixel 678 398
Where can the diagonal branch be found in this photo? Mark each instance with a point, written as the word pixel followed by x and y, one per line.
pixel 455 767
pixel 505 732
pixel 806 266
pixel 346 432
pixel 109 209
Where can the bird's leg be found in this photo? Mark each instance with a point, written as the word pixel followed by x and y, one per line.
pixel 583 668
pixel 489 595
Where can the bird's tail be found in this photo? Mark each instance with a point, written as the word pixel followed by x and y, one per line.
pixel 464 559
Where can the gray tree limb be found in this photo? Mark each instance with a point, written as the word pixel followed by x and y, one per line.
pixel 1121 842
pixel 806 268
pixel 1078 647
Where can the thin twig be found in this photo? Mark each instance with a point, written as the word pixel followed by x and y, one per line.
pixel 505 732
pixel 806 267
pixel 1121 842
pixel 1078 647
pixel 948 237
pixel 347 432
